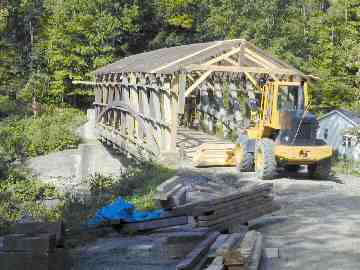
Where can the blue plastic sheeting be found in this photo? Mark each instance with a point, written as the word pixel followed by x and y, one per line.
pixel 121 210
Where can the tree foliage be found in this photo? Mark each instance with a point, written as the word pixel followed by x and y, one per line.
pixel 46 43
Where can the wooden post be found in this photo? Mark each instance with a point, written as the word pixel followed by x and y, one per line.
pixel 142 102
pixel 155 108
pixel 126 121
pixel 134 103
pixel 204 97
pixel 167 112
pixel 175 93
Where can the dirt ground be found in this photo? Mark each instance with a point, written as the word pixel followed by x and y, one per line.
pixel 318 226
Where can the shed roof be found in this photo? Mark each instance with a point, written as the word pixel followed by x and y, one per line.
pixel 173 59
pixel 352 117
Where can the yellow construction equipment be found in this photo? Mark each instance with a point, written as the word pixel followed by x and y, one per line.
pixel 282 133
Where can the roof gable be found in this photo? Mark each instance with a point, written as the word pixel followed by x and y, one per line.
pixel 173 59
pixel 349 116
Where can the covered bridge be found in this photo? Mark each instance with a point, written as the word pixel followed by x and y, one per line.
pixel 141 100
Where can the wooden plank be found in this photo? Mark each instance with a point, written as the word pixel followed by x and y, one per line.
pixel 248 254
pixel 240 255
pixel 194 207
pixel 240 69
pixel 217 244
pixel 40 243
pixel 197 257
pixel 180 92
pixel 134 103
pixel 32 228
pixel 167 114
pixel 153 224
pixel 174 197
pixel 202 78
pixel 174 122
pixel 157 70
pixel 224 56
pixel 243 216
pixel 234 208
pixel 256 254
pixel 233 240
pixel 168 184
pixel 217 264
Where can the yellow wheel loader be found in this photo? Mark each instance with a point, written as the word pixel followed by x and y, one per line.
pixel 282 133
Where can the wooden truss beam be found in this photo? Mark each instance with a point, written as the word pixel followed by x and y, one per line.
pixel 157 70
pixel 197 82
pixel 239 69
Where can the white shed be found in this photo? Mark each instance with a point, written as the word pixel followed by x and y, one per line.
pixel 332 128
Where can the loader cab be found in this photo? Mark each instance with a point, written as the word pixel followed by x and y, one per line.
pixel 281 98
pixel 281 103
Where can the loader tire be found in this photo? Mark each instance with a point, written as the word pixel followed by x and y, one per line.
pixel 320 170
pixel 244 159
pixel 245 163
pixel 291 168
pixel 265 161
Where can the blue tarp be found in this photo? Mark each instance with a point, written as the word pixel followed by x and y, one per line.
pixel 121 210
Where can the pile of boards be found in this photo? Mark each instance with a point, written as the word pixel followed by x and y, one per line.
pixel 214 211
pixel 217 210
pixel 239 207
pixel 214 154
pixel 35 245
pixel 238 251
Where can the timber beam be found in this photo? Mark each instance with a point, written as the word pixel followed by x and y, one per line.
pixel 240 69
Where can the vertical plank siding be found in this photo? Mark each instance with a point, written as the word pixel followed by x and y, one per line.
pixel 137 112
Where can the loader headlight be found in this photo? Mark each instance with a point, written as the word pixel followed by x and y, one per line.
pixel 287 138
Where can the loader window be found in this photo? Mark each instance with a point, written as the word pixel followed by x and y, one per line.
pixel 290 98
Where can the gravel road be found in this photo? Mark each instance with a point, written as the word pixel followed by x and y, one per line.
pixel 318 226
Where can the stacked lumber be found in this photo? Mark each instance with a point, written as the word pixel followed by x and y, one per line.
pixel 237 207
pixel 198 256
pixel 214 154
pixel 247 256
pixel 237 251
pixel 34 246
pixel 171 193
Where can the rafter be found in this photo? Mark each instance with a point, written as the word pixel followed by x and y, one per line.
pixel 197 82
pixel 238 69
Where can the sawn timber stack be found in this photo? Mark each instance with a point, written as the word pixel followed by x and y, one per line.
pixel 240 207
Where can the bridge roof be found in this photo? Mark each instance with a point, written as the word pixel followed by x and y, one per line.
pixel 173 59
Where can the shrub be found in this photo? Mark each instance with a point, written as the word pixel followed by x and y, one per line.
pixel 52 131
pixel 7 107
pixel 20 196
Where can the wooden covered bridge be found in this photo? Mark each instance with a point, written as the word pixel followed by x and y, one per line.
pixel 143 101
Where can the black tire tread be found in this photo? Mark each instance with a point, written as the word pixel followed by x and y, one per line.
pixel 247 163
pixel 269 169
pixel 321 169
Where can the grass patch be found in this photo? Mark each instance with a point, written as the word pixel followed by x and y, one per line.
pixel 20 196
pixel 347 167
